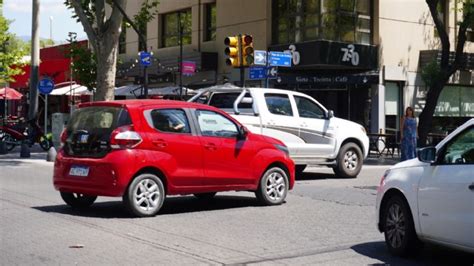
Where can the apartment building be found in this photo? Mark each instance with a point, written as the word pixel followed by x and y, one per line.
pixel 361 58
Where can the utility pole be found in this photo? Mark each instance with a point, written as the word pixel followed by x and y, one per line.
pixel 34 76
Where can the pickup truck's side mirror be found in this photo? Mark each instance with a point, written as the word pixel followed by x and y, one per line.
pixel 330 114
pixel 427 155
pixel 243 133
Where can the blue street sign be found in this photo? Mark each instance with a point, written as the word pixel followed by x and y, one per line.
pixel 145 58
pixel 257 72
pixel 46 85
pixel 281 59
pixel 272 72
pixel 260 57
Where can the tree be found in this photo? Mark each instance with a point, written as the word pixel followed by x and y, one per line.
pixel 437 75
pixel 103 33
pixel 12 49
pixel 84 68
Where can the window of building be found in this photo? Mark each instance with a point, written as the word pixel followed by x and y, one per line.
pixel 123 40
pixel 336 20
pixel 470 30
pixel 210 26
pixel 171 31
pixel 142 27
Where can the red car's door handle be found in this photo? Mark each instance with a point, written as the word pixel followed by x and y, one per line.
pixel 210 146
pixel 159 143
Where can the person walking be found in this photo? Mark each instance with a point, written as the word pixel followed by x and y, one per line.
pixel 408 134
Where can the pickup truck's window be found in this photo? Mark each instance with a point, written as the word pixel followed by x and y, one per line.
pixel 461 149
pixel 308 109
pixel 169 120
pixel 226 100
pixel 213 124
pixel 278 104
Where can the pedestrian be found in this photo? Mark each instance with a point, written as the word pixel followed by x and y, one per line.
pixel 408 134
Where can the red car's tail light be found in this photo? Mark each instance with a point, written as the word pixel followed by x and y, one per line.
pixel 124 138
pixel 63 137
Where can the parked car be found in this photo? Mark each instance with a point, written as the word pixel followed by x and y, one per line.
pixel 311 132
pixel 430 198
pixel 144 150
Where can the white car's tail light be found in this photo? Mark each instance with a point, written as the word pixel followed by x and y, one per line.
pixel 124 138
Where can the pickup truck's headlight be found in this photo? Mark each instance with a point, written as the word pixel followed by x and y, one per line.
pixel 283 149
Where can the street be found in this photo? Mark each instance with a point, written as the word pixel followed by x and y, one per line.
pixel 325 220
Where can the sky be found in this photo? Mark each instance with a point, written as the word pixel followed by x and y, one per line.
pixel 21 11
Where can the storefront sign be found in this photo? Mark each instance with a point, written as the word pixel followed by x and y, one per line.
pixel 334 54
pixel 330 80
pixel 189 68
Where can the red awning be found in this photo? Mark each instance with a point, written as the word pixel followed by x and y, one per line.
pixel 11 94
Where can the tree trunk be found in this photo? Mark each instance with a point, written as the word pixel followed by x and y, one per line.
pixel 426 116
pixel 106 67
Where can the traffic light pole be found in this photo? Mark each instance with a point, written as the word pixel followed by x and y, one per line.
pixel 241 62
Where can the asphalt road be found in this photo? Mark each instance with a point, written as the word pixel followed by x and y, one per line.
pixel 325 220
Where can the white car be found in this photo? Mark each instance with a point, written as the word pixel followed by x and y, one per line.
pixel 430 198
pixel 311 132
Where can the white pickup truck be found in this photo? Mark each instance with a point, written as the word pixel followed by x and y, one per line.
pixel 311 132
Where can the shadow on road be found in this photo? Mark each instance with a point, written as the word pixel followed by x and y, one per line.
pixel 429 255
pixel 172 205
pixel 317 176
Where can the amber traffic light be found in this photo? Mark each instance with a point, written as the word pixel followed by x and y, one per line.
pixel 232 51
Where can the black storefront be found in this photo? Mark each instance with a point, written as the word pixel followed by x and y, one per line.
pixel 338 74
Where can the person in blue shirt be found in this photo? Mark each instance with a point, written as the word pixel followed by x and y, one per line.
pixel 408 134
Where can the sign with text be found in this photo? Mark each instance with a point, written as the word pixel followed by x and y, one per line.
pixel 189 68
pixel 46 85
pixel 257 72
pixel 282 59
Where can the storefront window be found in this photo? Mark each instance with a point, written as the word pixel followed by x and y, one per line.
pixel 336 20
pixel 171 30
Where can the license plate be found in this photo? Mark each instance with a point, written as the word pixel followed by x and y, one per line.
pixel 79 170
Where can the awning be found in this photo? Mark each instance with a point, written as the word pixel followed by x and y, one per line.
pixel 75 89
pixel 10 94
pixel 135 90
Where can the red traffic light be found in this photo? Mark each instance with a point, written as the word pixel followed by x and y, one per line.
pixel 247 39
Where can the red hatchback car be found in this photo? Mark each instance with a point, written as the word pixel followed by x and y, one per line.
pixel 144 150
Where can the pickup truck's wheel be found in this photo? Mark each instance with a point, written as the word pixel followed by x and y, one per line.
pixel 273 187
pixel 145 195
pixel 398 227
pixel 349 161
pixel 76 200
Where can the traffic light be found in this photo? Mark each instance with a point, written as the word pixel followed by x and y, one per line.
pixel 232 51
pixel 247 50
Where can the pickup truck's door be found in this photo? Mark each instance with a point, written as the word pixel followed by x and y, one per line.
pixel 278 120
pixel 315 129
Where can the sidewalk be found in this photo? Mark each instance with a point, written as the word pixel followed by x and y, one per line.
pixel 37 155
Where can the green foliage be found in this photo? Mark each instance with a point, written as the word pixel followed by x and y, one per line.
pixel 148 11
pixel 84 68
pixel 431 73
pixel 12 50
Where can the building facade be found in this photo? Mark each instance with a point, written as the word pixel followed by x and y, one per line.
pixel 361 58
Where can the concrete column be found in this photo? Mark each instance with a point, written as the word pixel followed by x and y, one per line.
pixel 377 112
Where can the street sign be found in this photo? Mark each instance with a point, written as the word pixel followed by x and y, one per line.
pixel 272 72
pixel 260 57
pixel 46 85
pixel 281 59
pixel 145 58
pixel 257 72
pixel 189 68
